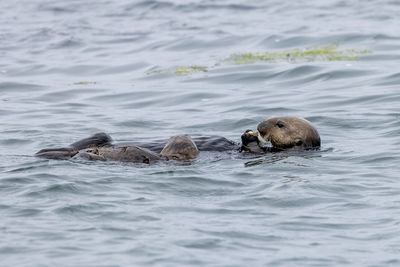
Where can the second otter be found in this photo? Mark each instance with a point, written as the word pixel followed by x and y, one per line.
pixel 98 147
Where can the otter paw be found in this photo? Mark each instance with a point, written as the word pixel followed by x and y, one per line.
pixel 247 138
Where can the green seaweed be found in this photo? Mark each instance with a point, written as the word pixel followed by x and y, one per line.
pixel 317 53
pixel 191 69
pixel 155 71
pixel 324 53
pixel 84 83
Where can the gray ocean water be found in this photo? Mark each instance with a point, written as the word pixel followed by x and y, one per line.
pixel 69 69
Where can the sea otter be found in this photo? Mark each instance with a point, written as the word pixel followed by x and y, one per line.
pixel 99 147
pixel 283 133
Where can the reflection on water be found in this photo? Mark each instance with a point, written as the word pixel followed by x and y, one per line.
pixel 273 157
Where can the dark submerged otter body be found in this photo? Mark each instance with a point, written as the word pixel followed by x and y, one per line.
pixel 96 140
pixel 99 147
pixel 118 153
pixel 203 143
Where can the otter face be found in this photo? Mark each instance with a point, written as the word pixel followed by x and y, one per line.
pixel 180 147
pixel 288 132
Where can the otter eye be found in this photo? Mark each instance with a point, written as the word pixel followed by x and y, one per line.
pixel 280 124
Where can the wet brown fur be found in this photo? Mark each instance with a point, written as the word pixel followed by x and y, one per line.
pixel 289 132
pixel 179 147
pixel 119 153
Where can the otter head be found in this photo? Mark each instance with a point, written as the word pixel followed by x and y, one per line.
pixel 180 147
pixel 288 132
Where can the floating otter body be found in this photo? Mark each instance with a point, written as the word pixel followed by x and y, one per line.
pixel 98 147
pixel 118 153
pixel 282 133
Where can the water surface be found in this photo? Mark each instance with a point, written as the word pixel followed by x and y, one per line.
pixel 73 68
